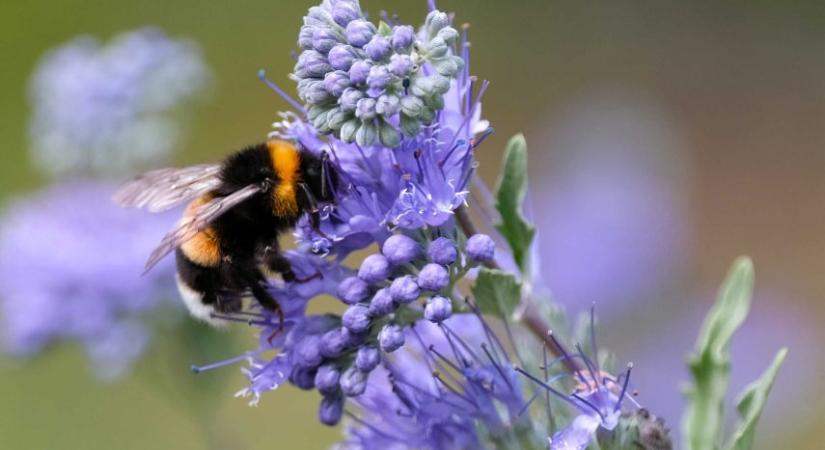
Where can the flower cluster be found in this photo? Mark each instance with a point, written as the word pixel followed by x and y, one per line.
pixel 70 260
pixel 366 83
pixel 105 109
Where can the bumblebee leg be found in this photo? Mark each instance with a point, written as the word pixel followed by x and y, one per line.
pixel 279 263
pixel 314 212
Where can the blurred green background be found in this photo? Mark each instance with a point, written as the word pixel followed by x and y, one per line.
pixel 740 87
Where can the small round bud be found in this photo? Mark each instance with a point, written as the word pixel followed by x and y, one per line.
pixel 412 106
pixel 331 410
pixel 312 64
pixel 378 48
pixel 333 343
pixel 387 105
pixel 400 249
pixel 433 277
pixel 356 318
pixel 390 338
pixel 404 289
pixel 326 379
pixel 438 309
pixel 349 99
pixel 377 80
pixel 374 268
pixel 341 57
pixel 359 71
pixel 308 351
pixel 481 248
pixel 305 37
pixel 402 37
pixel 336 82
pixel 303 377
pixel 344 13
pixel 367 359
pixel 382 303
pixel 365 109
pixel 353 290
pixel 354 340
pixel 400 65
pixel 442 251
pixel 360 32
pixel 353 382
pixel 323 40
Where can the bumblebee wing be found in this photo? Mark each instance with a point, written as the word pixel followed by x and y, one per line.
pixel 163 189
pixel 191 225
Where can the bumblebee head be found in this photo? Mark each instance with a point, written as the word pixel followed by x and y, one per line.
pixel 319 176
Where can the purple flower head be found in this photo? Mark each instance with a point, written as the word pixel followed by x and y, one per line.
pixel 356 318
pixel 597 398
pixel 391 338
pixel 433 277
pixel 337 36
pixel 353 290
pixel 326 379
pixel 382 303
pixel 400 249
pixel 404 289
pixel 411 402
pixel 103 109
pixel 442 251
pixel 367 359
pixel 374 268
pixel 331 410
pixel 438 309
pixel 481 248
pixel 61 280
pixel 353 382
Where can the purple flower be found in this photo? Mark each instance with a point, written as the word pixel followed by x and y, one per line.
pixel 402 37
pixel 480 247
pixel 438 309
pixel 323 40
pixel 312 64
pixel 336 82
pixel 359 71
pixel 400 65
pixel 353 290
pixel 341 57
pixel 61 279
pixel 333 343
pixel 345 12
pixel 433 277
pixel 442 251
pixel 110 109
pixel 390 338
pixel 404 289
pixel 356 318
pixel 400 249
pixel 374 268
pixel 377 80
pixel 378 48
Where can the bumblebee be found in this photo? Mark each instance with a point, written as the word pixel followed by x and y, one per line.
pixel 228 235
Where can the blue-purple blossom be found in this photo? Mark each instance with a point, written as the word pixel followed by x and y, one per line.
pixel 356 318
pixel 353 382
pixel 400 249
pixel 480 247
pixel 374 268
pixel 70 267
pixel 411 402
pixel 326 379
pixel 382 303
pixel 110 108
pixel 331 410
pixel 367 359
pixel 353 290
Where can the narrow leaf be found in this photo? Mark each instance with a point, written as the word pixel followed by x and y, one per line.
pixel 511 189
pixel 496 292
pixel 710 362
pixel 752 402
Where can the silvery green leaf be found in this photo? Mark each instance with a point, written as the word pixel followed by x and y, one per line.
pixel 510 191
pixel 496 292
pixel 710 362
pixel 752 402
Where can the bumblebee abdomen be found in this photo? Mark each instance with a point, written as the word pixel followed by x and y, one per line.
pixel 286 161
pixel 204 248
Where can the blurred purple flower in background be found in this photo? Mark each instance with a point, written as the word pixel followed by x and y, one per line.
pixel 70 259
pixel 70 267
pixel 613 218
pixel 109 109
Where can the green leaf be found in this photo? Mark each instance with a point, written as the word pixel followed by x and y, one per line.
pixel 384 29
pixel 710 362
pixel 752 402
pixel 496 292
pixel 511 189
